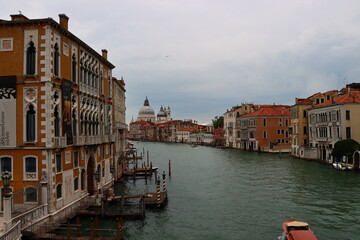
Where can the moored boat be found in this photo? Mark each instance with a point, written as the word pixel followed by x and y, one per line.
pixel 296 230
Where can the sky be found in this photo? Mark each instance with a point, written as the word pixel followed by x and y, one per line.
pixel 201 57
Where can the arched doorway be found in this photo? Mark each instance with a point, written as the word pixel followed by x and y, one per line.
pixel 83 179
pixel 90 175
pixel 323 156
pixel 357 159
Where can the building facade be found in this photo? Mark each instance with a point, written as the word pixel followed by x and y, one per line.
pixel 266 129
pixel 56 107
pixel 120 125
pixel 334 120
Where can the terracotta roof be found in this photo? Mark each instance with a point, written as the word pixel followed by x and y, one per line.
pixel 187 129
pixel 139 122
pixel 304 101
pixel 274 111
pixel 350 97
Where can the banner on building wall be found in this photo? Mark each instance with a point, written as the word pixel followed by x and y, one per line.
pixel 68 186
pixel 7 111
pixel 66 98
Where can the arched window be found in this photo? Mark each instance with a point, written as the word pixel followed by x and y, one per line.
pixel 59 191
pixel 74 72
pixel 56 59
pixel 31 194
pixel 30 59
pixel 30 124
pixel 56 122
pixel 74 122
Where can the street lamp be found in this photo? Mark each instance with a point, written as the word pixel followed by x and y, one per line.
pixel 6 177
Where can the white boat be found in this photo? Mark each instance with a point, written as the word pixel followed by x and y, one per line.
pixel 341 166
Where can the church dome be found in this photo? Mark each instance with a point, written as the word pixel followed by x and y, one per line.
pixel 146 113
pixel 161 113
pixel 146 110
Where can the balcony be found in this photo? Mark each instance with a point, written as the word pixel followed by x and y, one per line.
pixel 60 142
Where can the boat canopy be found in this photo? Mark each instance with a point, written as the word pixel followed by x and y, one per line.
pixel 303 235
pixel 296 224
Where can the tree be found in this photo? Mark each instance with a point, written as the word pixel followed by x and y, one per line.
pixel 218 122
pixel 345 148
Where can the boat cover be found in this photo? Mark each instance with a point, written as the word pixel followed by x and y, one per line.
pixel 303 235
pixel 296 224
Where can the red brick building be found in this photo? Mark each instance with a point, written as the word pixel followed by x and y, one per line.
pixel 266 129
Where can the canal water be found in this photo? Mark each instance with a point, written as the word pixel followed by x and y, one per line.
pixel 233 194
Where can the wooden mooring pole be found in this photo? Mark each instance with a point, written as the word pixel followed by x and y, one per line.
pixel 164 181
pixel 148 159
pixel 158 193
pixel 169 167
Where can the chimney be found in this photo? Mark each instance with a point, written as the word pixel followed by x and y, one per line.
pixel 63 20
pixel 104 53
pixel 17 17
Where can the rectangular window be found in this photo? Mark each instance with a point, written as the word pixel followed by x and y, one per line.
pixel 282 131
pixel 58 163
pixel 31 194
pixel 305 141
pixel 76 159
pixel 280 122
pixel 265 134
pixel 6 164
pixel 30 168
pixel 347 114
pixel 304 114
pixel 348 132
pixel 305 130
pixel 76 184
pixel 264 122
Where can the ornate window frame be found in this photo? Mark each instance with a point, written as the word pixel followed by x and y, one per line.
pixel 31 176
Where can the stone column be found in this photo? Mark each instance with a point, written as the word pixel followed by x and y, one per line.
pixel 44 196
pixel 7 213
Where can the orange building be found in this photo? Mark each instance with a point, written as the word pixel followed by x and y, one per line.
pixel 55 106
pixel 266 129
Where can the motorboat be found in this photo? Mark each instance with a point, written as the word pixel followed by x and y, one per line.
pixel 296 230
pixel 342 166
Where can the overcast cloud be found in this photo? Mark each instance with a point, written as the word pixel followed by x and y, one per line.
pixel 204 56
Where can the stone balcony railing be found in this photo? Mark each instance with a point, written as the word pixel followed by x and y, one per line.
pixel 60 142
pixel 14 233
pixel 89 89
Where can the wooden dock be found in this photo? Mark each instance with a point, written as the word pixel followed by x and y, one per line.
pixel 150 199
pixel 143 171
